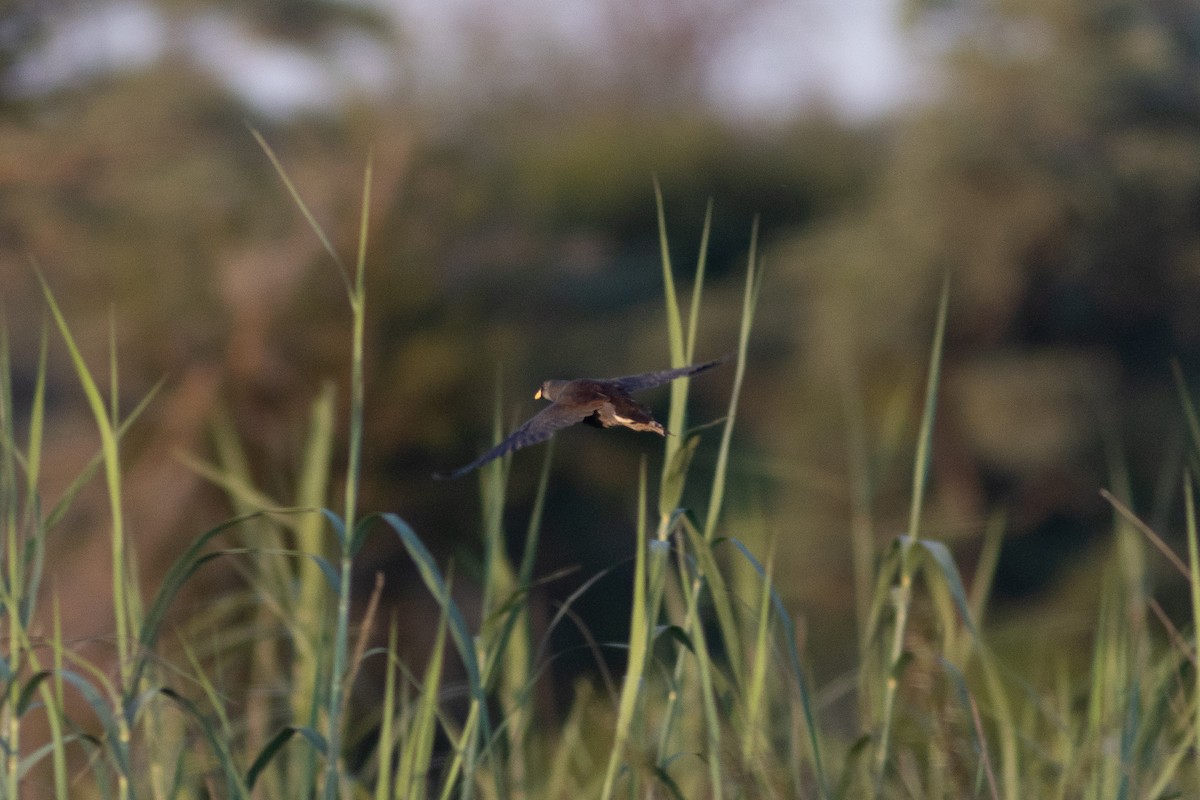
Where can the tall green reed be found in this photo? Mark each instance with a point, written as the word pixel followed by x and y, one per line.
pixel 715 701
pixel 710 673
pixel 902 597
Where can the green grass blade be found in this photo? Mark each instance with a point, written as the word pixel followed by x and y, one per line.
pixel 671 490
pixel 639 632
pixel 114 394
pixel 674 474
pixel 417 756
pixel 698 285
pixel 181 571
pixel 34 555
pixel 308 215
pixel 432 576
pixel 716 498
pixel 755 694
pixel 1193 549
pixel 112 470
pixel 985 568
pixel 566 747
pixel 390 711
pixel 903 593
pixel 674 316
pixel 720 596
pixel 463 641
pixel 113 724
pixel 60 509
pixel 533 530
pixel 37 423
pixel 498 580
pixel 272 748
pixel 32 685
pixel 792 650
pixel 32 759
pixel 217 742
pixel 925 437
pixel 338 669
pixel 358 303
pixel 948 571
pixel 708 704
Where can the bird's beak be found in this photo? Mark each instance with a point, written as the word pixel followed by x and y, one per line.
pixel 538 395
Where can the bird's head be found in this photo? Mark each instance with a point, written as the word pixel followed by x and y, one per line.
pixel 550 390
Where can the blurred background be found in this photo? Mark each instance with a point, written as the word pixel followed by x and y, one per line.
pixel 1044 153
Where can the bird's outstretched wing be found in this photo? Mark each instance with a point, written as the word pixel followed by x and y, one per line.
pixel 538 428
pixel 648 380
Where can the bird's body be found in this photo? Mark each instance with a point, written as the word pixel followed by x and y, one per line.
pixel 601 403
pixel 610 405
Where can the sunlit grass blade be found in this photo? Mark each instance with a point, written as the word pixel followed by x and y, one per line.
pixel 1008 728
pixel 492 480
pixel 463 641
pixel 1193 549
pixel 304 587
pixel 237 485
pixel 511 645
pixel 33 558
pixel 792 651
pixel 63 505
pixel 13 586
pixel 985 572
pixel 671 484
pixel 902 597
pixel 673 478
pixel 639 633
pixel 37 427
pixel 31 760
pixel 947 570
pixel 567 748
pixel 718 591
pixel 300 204
pixel 533 530
pixel 185 566
pixel 697 642
pixel 358 314
pixel 754 733
pixel 112 470
pixel 218 742
pixel 416 757
pixel 674 473
pixel 1164 745
pixel 750 292
pixel 391 710
pixel 674 315
pixel 432 576
pixel 923 457
pixel 55 702
pixel 1127 515
pixel 693 323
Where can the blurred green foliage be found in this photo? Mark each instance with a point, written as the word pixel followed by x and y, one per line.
pixel 1053 170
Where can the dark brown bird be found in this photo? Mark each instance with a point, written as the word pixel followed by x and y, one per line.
pixel 602 403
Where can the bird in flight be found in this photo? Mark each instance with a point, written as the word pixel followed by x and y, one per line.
pixel 602 403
